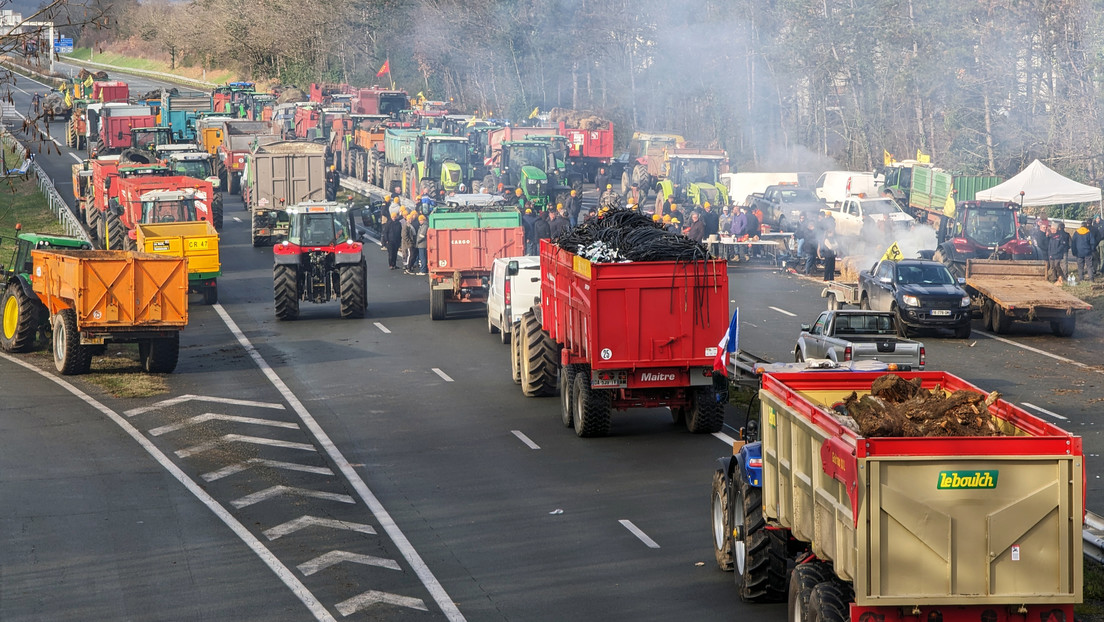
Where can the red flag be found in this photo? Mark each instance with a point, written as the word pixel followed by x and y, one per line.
pixel 385 69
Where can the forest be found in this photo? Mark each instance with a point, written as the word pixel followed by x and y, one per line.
pixel 983 87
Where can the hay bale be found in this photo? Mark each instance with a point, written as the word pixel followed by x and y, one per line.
pixel 580 119
pixel 291 95
pixel 850 267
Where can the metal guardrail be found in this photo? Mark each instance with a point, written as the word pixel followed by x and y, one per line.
pixel 1093 535
pixel 141 72
pixel 57 205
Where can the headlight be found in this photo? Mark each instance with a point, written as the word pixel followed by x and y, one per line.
pixel 965 301
pixel 911 301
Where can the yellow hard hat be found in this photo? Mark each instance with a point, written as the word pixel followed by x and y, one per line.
pixel 528 210
pixel 517 191
pixel 559 206
pixel 666 218
pixel 572 192
pixel 656 217
pixel 609 186
pixel 387 197
pixel 675 221
pixel 706 205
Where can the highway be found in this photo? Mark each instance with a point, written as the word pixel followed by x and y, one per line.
pixel 389 469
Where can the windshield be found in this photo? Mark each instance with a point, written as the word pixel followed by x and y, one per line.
pixel 797 195
pixel 698 171
pixel 881 206
pixel 316 230
pixel 454 150
pixel 559 149
pixel 169 211
pixel 146 140
pixel 990 227
pixel 924 275
pixel 529 156
pixel 199 169
pixel 392 104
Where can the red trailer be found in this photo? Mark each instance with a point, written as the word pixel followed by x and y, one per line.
pixel 115 133
pixel 625 335
pixel 376 100
pixel 589 149
pixel 461 248
pixel 108 92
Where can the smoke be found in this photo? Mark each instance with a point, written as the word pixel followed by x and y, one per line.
pixel 863 251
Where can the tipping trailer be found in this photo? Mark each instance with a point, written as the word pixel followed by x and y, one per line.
pixel 280 175
pixel 197 242
pixel 1006 291
pixel 953 529
pixel 179 111
pixel 624 335
pixel 238 139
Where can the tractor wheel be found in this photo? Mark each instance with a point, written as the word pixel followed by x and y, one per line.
pixel 438 308
pixel 641 178
pixel 224 178
pixel 430 186
pixel 561 199
pixel 591 414
pixel 70 357
pixel 354 290
pixel 515 352
pixel 540 359
pixel 830 601
pixel 626 183
pixel 129 243
pixel 706 415
pixel 216 211
pixel 722 522
pixel 116 233
pixel 759 554
pixel 567 402
pixel 803 579
pixel 944 258
pixel 234 181
pixel 489 183
pixel 20 318
pixel 285 286
pixel 92 218
pixel 210 294
pixel 159 356
pixel 1064 327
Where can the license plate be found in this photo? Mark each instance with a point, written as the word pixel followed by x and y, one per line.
pixel 940 312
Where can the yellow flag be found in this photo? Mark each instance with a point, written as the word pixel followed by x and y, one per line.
pixel 893 253
pixel 887 157
pixel 536 111
pixel 949 205
pixel 922 157
pixel 68 100
pixel 88 82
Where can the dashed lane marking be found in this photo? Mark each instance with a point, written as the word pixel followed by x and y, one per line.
pixel 383 329
pixel 278 568
pixel 443 375
pixel 76 157
pixel 372 597
pixel 336 557
pixel 180 399
pixel 205 417
pixel 236 219
pixel 241 438
pixel 525 439
pixel 276 491
pixel 306 520
pixel 726 439
pixel 272 464
pixel 783 311
pixel 634 530
pixel 1099 370
pixel 1044 411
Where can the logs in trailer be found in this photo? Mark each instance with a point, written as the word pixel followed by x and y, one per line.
pixel 319 262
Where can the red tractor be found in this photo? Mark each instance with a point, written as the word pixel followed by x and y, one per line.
pixel 151 194
pixel 319 261
pixel 981 230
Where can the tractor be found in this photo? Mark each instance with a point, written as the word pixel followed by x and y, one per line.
pixel 22 314
pixel 530 166
pixel 319 261
pixel 981 230
pixel 441 166
pixel 692 177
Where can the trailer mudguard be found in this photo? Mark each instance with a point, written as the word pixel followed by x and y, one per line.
pixel 749 464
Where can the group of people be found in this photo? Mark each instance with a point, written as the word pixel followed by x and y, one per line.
pixel 403 235
pixel 1053 243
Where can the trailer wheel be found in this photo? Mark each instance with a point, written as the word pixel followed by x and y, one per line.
pixel 830 601
pixel 159 356
pixel 987 314
pixel 353 284
pixel 760 555
pixel 803 579
pixel 437 308
pixel 115 233
pixel 722 522
pixel 210 294
pixel 515 352
pixel 1002 321
pixel 591 414
pixel 20 316
pixel 540 361
pixel 285 286
pixel 567 402
pixel 70 357
pixel 216 211
pixel 1064 327
pixel 706 415
pixel 678 414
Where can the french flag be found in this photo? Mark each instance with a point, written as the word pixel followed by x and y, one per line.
pixel 728 345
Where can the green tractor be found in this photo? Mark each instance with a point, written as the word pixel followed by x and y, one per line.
pixel 442 165
pixel 22 315
pixel 529 165
pixel 693 176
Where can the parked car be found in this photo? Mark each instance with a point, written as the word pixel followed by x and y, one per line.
pixel 851 212
pixel 513 290
pixel 842 336
pixel 920 293
pixel 783 205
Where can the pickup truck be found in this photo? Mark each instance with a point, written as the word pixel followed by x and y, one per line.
pixel 919 292
pixel 850 213
pixel 783 205
pixel 841 336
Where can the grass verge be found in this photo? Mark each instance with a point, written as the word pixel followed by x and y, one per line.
pixel 122 61
pixel 22 203
pixel 118 373
pixel 1092 609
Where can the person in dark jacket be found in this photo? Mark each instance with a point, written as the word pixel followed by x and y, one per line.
pixel 710 218
pixel 752 229
pixel 558 223
pixel 392 238
pixel 1058 243
pixel 601 179
pixel 422 243
pixel 528 219
pixel 1082 245
pixel 696 230
pixel 542 229
pixel 1098 252
pixel 573 206
pixel 1039 237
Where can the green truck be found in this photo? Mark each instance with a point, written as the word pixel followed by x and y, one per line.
pixel 417 161
pixel 924 187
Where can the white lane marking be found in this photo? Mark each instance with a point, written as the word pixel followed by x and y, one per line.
pixel 173 401
pixel 272 464
pixel 283 572
pixel 336 557
pixel 627 524
pixel 76 157
pixel 371 597
pixel 783 311
pixel 726 439
pixel 306 520
pixel 1099 370
pixel 1044 411
pixel 205 417
pixel 239 438
pixel 436 590
pixel 276 491
pixel 525 439
pixel 236 219
pixel 383 329
pixel 443 375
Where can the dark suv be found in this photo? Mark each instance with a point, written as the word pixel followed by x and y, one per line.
pixel 921 293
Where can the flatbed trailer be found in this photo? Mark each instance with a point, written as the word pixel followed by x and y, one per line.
pixel 1005 291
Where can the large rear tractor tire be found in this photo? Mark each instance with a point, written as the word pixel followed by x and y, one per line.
pixel 722 521
pixel 285 289
pixel 759 554
pixel 92 218
pixel 567 402
pixel 437 304
pixel 540 361
pixel 159 356
pixel 116 234
pixel 706 414
pixel 945 259
pixel 19 319
pixel 428 186
pixel 592 414
pixel 354 290
pixel 515 352
pixel 70 357
pixel 234 180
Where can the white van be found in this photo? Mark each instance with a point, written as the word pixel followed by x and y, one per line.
pixel 513 290
pixel 835 186
pixel 743 185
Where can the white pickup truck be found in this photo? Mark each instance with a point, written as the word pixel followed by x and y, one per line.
pixel 850 213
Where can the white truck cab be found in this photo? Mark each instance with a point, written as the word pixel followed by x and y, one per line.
pixel 513 290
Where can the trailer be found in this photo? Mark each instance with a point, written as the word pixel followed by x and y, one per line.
pixel 846 527
pixel 279 175
pixel 179 111
pixel 197 242
pixel 1006 291
pixel 616 336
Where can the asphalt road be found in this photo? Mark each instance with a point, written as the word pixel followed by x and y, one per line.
pixel 388 468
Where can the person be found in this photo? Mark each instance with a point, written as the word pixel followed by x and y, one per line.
pixel 601 180
pixel 519 198
pixel 1057 246
pixel 333 183
pixel 675 212
pixel 828 254
pixel 542 229
pixel 810 244
pixel 724 221
pixel 558 223
pixel 392 235
pixel 738 228
pixel 752 229
pixel 696 230
pixel 610 198
pixel 36 101
pixel 408 243
pixel 634 195
pixel 1082 245
pixel 674 226
pixel 710 219
pixel 1039 237
pixel 1098 252
pixel 422 243
pixel 572 206
pixel 528 218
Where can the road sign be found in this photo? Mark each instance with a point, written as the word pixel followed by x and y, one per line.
pixel 63 46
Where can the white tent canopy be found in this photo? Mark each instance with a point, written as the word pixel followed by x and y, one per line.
pixel 1040 186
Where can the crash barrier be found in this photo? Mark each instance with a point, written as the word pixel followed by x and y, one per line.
pixel 140 72
pixel 58 206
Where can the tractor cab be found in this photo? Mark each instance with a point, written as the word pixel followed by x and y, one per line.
pixel 981 230
pixel 319 261
pixel 149 138
pixel 21 263
pixel 159 206
pixel 143 170
pixel 444 161
pixel 696 178
pixel 318 224
pixel 197 164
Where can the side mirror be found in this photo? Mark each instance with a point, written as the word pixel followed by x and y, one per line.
pixel 885 280
pixel 512 268
pixel 806 328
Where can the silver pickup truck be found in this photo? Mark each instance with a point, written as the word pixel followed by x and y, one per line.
pixel 842 336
